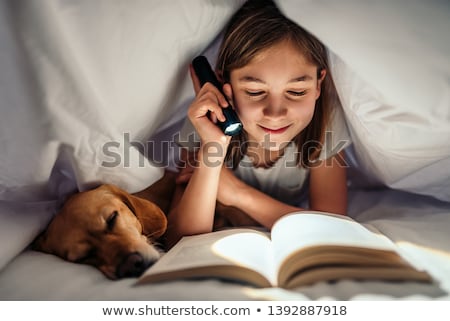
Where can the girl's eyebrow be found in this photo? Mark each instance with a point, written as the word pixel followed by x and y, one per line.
pixel 251 79
pixel 254 79
pixel 301 78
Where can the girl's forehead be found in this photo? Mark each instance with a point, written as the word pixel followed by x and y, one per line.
pixel 281 50
pixel 281 60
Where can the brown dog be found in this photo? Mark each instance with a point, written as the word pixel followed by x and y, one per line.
pixel 110 229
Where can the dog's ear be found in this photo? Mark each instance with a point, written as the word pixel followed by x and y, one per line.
pixel 152 218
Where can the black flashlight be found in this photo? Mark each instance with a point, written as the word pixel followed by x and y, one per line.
pixel 232 125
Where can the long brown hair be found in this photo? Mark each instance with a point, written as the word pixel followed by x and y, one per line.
pixel 258 25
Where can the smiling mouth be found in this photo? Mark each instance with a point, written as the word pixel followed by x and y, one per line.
pixel 275 130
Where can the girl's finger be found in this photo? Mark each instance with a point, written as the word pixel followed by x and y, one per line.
pixel 213 118
pixel 222 100
pixel 216 114
pixel 209 99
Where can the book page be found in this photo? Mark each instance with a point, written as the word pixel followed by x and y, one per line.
pixel 304 229
pixel 243 247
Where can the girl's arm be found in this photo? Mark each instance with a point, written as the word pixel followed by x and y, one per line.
pixel 260 206
pixel 193 205
pixel 328 192
pixel 193 209
pixel 328 185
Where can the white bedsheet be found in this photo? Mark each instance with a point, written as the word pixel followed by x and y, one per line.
pixel 420 225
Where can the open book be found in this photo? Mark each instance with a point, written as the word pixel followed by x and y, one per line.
pixel 302 248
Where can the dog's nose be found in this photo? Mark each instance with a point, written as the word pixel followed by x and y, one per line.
pixel 132 266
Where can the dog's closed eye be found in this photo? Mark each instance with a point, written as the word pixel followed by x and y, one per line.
pixel 111 220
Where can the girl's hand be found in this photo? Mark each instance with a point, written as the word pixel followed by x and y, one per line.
pixel 205 110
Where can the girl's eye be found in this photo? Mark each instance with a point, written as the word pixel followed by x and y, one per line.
pixel 254 93
pixel 296 93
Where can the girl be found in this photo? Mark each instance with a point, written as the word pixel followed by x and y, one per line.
pixel 276 76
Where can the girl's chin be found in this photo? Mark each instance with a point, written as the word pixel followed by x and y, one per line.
pixel 275 146
pixel 269 143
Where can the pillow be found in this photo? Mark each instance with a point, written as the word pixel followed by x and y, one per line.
pixel 390 65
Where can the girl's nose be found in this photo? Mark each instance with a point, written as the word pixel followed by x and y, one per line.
pixel 275 108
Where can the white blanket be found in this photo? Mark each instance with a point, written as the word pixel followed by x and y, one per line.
pixel 418 224
pixel 85 85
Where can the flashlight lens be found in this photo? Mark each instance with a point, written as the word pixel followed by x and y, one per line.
pixel 233 129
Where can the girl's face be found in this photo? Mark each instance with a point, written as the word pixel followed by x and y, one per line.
pixel 275 95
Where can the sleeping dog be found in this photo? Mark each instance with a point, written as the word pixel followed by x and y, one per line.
pixel 115 231
pixel 110 229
